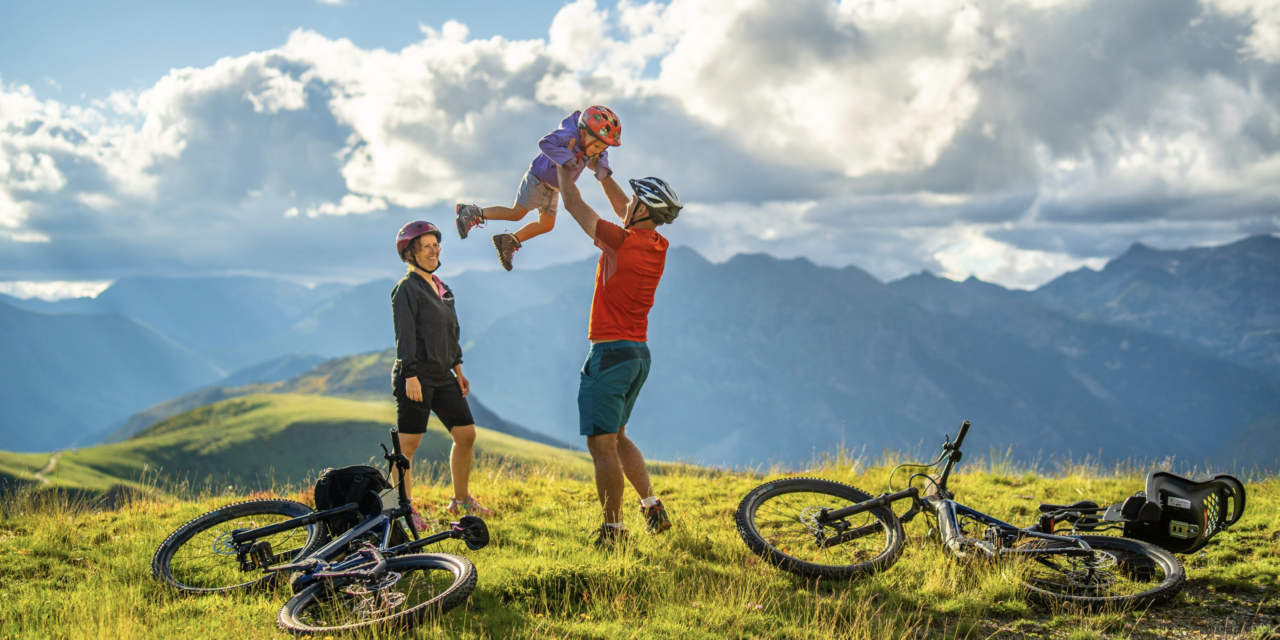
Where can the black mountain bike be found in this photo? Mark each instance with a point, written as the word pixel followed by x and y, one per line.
pixel 369 575
pixel 822 529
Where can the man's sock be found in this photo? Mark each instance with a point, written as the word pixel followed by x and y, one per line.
pixel 649 502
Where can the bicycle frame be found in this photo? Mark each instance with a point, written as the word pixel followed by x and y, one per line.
pixel 254 553
pixel 1001 536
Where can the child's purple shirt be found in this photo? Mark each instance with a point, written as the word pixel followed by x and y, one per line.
pixel 555 150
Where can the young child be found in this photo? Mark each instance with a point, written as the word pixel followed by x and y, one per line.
pixel 580 142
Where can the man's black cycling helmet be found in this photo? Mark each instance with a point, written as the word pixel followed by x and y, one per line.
pixel 663 203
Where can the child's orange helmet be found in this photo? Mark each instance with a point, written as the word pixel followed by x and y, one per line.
pixel 603 123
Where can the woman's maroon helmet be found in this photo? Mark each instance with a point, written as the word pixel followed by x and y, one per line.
pixel 411 231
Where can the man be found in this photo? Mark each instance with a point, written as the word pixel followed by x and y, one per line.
pixel 631 262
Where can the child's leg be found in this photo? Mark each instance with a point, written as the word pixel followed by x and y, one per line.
pixel 460 459
pixel 514 212
pixel 543 224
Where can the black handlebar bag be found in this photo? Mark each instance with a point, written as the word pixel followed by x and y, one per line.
pixel 361 484
pixel 1178 514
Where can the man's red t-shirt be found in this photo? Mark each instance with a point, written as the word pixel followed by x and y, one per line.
pixel 631 263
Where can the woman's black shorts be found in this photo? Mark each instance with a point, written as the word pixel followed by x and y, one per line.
pixel 441 396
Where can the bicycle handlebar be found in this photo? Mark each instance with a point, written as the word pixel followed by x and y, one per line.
pixel 964 429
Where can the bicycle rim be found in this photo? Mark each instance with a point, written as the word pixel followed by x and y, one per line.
pixel 780 522
pixel 416 587
pixel 1121 573
pixel 200 557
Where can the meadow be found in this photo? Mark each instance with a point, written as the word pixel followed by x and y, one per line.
pixel 73 567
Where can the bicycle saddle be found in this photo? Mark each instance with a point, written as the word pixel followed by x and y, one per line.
pixel 1083 505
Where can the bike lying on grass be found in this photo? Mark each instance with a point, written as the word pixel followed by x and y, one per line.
pixel 822 529
pixel 366 575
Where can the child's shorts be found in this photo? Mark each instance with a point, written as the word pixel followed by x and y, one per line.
pixel 534 194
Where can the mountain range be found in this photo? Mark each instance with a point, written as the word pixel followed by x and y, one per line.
pixel 1161 353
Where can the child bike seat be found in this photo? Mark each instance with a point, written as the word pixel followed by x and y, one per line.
pixel 1178 514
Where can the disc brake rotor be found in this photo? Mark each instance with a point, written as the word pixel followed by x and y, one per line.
pixel 809 518
pixel 1092 573
pixel 224 545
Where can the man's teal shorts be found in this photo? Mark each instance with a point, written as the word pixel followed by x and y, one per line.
pixel 611 381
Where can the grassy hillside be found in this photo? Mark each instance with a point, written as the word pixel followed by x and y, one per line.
pixel 257 441
pixel 71 572
pixel 359 377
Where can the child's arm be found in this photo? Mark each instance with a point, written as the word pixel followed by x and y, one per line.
pixel 601 166
pixel 558 145
pixel 574 204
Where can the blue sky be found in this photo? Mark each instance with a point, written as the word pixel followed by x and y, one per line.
pixel 92 48
pixel 1013 139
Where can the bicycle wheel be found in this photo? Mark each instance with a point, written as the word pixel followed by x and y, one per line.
pixel 1121 573
pixel 200 558
pixel 779 522
pixel 414 588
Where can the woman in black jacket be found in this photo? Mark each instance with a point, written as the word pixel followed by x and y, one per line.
pixel 427 375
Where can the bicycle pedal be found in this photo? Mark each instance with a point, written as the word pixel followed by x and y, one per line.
pixel 261 555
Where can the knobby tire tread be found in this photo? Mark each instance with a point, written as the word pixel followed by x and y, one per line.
pixel 164 553
pixel 759 546
pixel 1175 578
pixel 464 583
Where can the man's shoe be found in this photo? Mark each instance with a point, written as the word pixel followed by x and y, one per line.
pixel 609 537
pixel 469 217
pixel 507 245
pixel 468 506
pixel 655 517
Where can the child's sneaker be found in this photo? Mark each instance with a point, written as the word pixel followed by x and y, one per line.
pixel 655 517
pixel 468 506
pixel 608 537
pixel 506 244
pixel 418 522
pixel 469 217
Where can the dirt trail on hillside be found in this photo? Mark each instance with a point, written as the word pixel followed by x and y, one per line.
pixel 53 464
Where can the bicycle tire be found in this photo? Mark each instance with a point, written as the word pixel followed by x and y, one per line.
pixel 772 545
pixel 222 564
pixel 326 607
pixel 1136 563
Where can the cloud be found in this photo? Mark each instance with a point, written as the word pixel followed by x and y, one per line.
pixel 54 290
pixel 1011 140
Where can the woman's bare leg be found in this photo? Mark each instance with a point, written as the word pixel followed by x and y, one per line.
pixel 460 459
pixel 408 446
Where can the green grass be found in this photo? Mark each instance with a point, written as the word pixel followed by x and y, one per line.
pixel 258 441
pixel 70 572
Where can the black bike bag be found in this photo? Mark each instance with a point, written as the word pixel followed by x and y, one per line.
pixel 360 484
pixel 1179 514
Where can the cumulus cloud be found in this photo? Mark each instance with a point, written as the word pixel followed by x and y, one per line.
pixel 54 290
pixel 1012 140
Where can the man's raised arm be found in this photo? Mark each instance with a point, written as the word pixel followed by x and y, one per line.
pixel 617 197
pixel 574 204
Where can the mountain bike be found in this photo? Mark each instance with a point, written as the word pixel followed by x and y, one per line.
pixel 820 529
pixel 369 575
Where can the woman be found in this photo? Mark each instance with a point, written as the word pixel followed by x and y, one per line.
pixel 427 375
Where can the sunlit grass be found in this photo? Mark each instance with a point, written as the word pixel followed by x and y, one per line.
pixel 71 570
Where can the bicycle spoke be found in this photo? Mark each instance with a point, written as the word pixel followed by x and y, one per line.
pixel 348 603
pixel 791 527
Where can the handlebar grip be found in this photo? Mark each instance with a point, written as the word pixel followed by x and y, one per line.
pixel 964 429
pixel 395 441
